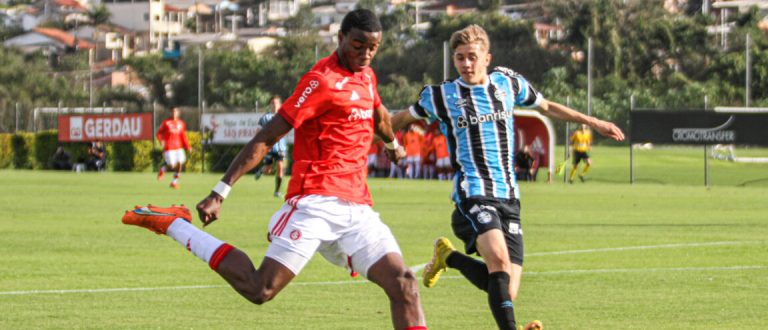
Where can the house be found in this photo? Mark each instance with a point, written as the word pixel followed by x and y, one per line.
pixel 48 40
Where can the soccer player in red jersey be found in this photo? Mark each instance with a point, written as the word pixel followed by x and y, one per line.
pixel 172 135
pixel 335 111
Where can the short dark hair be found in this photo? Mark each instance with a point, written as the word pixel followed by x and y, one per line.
pixel 362 19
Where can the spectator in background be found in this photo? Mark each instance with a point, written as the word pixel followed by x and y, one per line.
pixel 412 141
pixel 97 157
pixel 276 155
pixel 172 135
pixel 443 159
pixel 396 169
pixel 373 152
pixel 61 159
pixel 428 156
pixel 524 162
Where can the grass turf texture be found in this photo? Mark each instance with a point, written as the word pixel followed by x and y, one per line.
pixel 599 255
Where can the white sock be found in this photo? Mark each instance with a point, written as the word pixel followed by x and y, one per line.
pixel 200 243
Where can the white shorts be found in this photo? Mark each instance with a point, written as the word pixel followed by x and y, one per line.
pixel 174 157
pixel 346 234
pixel 443 162
pixel 371 159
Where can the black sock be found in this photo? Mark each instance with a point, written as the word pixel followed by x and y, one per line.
pixel 474 270
pixel 499 300
pixel 278 182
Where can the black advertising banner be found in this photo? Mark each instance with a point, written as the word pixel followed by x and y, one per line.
pixel 699 127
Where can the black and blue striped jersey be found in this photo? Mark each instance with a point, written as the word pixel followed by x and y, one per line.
pixel 478 123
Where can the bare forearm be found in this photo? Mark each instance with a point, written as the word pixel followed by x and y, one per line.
pixel 401 119
pixel 383 125
pixel 246 160
pixel 256 149
pixel 559 111
pixel 562 112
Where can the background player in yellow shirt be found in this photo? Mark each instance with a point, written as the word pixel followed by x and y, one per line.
pixel 581 142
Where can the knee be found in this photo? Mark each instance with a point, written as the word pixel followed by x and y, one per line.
pixel 406 288
pixel 260 296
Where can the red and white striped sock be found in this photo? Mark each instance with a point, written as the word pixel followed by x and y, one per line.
pixel 204 246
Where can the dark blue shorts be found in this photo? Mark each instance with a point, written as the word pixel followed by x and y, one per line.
pixel 273 156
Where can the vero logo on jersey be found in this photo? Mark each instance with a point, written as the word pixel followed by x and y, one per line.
pixel 360 114
pixel 307 91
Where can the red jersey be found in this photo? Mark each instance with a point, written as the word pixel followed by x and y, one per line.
pixel 440 145
pixel 412 142
pixel 331 111
pixel 173 133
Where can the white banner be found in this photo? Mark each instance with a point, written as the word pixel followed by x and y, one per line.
pixel 231 128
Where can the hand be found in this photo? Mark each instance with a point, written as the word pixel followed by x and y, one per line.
pixel 608 129
pixel 396 155
pixel 208 209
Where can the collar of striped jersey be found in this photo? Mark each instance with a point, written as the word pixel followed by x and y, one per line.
pixel 465 84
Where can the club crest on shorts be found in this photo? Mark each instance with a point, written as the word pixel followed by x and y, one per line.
pixel 484 217
pixel 295 234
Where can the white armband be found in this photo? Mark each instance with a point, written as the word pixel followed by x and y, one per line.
pixel 222 189
pixel 392 145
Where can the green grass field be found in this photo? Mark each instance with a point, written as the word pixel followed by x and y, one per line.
pixel 665 253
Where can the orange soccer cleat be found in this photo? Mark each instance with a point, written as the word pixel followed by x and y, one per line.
pixel 154 218
pixel 160 173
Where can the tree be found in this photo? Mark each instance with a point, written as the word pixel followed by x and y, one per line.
pixel 99 15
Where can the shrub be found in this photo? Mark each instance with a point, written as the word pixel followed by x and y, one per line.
pixel 6 150
pixel 22 144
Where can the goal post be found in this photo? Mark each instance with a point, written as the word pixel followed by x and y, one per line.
pixel 536 131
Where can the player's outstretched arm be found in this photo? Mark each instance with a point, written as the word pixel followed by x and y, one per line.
pixel 208 209
pixel 382 125
pixel 562 112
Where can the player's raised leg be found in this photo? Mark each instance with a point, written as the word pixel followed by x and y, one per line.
pixel 258 286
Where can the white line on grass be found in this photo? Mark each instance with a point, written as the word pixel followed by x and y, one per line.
pixel 645 247
pixel 418 268
pixel 557 272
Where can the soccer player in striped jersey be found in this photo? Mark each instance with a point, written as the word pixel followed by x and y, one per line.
pixel 475 113
pixel 276 155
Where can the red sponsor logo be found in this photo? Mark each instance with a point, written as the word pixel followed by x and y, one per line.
pixel 120 127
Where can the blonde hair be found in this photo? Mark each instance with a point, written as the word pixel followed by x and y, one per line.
pixel 469 35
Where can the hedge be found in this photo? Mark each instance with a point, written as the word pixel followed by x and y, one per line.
pixel 25 150
pixel 6 150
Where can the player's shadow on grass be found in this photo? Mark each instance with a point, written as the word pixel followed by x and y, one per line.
pixel 637 180
pixel 756 182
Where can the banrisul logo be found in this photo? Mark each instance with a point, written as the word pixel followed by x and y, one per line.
pixel 465 121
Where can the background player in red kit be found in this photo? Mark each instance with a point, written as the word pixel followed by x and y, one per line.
pixel 172 135
pixel 335 111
